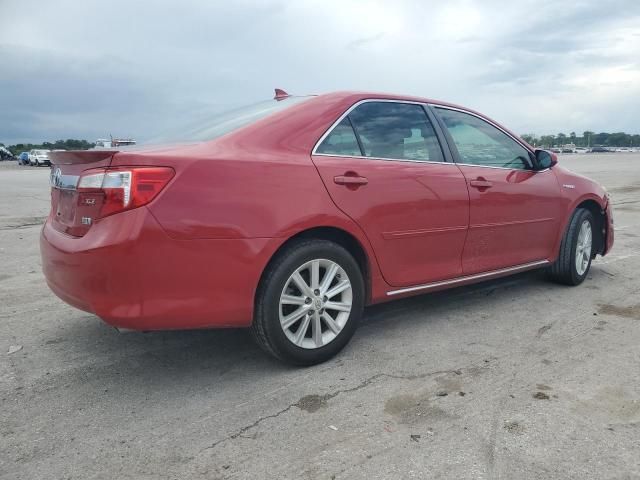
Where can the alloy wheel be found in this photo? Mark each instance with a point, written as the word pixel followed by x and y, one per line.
pixel 583 247
pixel 315 303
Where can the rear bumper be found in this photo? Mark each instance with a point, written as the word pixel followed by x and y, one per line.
pixel 128 272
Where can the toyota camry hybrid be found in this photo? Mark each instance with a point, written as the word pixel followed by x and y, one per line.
pixel 291 215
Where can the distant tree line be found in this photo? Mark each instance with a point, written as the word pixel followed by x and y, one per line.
pixel 69 144
pixel 588 139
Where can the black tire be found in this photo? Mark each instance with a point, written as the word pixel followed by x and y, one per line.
pixel 564 269
pixel 266 328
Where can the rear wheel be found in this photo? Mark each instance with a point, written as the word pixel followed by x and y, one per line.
pixel 309 302
pixel 576 250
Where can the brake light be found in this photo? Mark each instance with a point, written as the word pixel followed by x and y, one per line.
pixel 121 188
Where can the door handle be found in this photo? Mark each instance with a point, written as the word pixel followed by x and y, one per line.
pixel 350 180
pixel 480 183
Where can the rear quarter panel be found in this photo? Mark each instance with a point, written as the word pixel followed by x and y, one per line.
pixel 243 195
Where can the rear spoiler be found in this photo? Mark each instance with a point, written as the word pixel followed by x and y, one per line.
pixel 72 157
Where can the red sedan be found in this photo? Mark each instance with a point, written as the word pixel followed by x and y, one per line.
pixel 291 215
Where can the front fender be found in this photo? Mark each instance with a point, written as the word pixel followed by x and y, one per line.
pixel 588 200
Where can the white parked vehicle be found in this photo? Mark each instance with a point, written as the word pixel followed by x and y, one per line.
pixel 113 142
pixel 39 157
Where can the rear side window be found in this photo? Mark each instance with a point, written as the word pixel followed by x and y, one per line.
pixel 396 131
pixel 480 143
pixel 341 141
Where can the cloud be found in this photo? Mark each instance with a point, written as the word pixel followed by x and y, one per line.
pixel 83 69
pixel 363 41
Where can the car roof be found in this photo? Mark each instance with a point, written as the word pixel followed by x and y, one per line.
pixel 367 95
pixel 295 129
pixel 353 97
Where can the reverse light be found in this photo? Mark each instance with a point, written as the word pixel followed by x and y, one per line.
pixel 122 188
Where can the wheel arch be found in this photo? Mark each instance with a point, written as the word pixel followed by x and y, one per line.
pixel 593 205
pixel 339 236
pixel 599 216
pixel 597 206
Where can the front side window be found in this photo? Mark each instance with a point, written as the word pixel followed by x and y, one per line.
pixel 341 141
pixel 480 143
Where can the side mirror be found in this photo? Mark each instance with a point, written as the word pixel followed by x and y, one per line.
pixel 545 159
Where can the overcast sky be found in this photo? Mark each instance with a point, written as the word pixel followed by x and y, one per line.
pixel 87 69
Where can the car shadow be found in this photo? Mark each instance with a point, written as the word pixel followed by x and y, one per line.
pixel 216 357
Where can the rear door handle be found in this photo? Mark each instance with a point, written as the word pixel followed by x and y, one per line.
pixel 480 183
pixel 350 180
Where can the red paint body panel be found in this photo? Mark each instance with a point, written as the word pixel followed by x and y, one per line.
pixel 576 190
pixel 130 273
pixel 66 213
pixel 193 257
pixel 515 221
pixel 415 214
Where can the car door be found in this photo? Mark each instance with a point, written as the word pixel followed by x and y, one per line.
pixel 384 167
pixel 514 210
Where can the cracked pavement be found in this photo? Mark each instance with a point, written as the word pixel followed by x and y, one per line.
pixel 516 378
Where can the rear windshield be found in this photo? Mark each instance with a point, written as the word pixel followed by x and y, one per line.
pixel 222 123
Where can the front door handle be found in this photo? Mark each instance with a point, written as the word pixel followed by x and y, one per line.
pixel 350 180
pixel 480 183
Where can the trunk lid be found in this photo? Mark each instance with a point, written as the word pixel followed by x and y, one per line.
pixel 72 213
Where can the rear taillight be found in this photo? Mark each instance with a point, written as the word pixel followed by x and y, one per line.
pixel 120 189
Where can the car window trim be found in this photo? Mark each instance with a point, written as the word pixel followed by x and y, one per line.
pixel 363 157
pixel 357 135
pixel 442 140
pixel 447 158
pixel 454 149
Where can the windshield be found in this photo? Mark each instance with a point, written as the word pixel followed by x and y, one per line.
pixel 222 123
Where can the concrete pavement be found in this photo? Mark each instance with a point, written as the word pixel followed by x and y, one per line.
pixel 517 378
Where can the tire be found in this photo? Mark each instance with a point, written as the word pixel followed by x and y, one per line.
pixel 567 269
pixel 296 342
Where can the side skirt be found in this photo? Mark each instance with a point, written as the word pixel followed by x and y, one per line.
pixel 470 278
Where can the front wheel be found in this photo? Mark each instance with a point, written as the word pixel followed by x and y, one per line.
pixel 576 250
pixel 309 302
